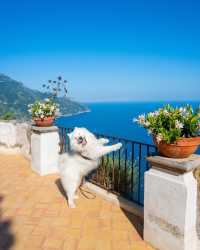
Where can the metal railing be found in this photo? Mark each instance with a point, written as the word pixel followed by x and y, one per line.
pixel 120 172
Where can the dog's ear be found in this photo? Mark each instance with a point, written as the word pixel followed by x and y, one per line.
pixel 69 135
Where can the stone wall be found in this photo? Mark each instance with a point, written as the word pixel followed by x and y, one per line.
pixel 197 175
pixel 15 138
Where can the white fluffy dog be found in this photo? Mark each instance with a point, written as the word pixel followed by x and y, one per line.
pixel 84 156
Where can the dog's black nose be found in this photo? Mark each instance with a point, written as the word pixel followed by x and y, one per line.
pixel 80 139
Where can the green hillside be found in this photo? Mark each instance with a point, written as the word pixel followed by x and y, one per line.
pixel 14 98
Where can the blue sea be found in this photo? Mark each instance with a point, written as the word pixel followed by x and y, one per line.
pixel 116 119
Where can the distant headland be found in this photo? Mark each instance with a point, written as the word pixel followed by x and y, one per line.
pixel 15 96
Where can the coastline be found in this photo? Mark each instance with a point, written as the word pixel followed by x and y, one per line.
pixel 74 114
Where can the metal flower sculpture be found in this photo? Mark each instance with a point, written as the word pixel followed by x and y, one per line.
pixel 56 88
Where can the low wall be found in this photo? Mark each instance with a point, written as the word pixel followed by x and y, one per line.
pixel 197 175
pixel 15 138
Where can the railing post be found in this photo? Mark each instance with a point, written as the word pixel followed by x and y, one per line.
pixel 44 149
pixel 170 203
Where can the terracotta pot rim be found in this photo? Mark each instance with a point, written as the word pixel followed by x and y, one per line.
pixel 182 148
pixel 181 142
pixel 44 122
pixel 42 119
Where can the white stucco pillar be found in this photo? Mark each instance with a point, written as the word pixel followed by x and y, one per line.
pixel 170 203
pixel 44 149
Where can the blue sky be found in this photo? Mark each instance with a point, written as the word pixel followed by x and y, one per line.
pixel 107 50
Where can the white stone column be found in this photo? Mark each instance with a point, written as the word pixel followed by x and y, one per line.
pixel 44 149
pixel 170 203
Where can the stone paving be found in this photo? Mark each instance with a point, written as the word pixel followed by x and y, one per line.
pixel 34 215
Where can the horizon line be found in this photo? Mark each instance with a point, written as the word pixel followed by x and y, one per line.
pixel 143 101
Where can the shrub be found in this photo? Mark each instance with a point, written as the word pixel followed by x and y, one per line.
pixel 169 124
pixel 112 175
pixel 8 116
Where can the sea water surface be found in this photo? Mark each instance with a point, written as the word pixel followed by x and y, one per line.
pixel 116 119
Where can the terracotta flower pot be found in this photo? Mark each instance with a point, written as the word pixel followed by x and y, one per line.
pixel 44 122
pixel 182 148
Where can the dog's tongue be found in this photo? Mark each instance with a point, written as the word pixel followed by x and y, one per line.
pixel 84 142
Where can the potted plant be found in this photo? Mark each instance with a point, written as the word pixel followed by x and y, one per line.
pixel 175 131
pixel 44 112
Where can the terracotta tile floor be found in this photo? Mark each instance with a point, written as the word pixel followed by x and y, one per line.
pixel 34 215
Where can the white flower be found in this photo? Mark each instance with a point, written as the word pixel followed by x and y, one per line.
pixel 43 108
pixel 147 123
pixel 183 111
pixel 151 114
pixel 141 119
pixel 178 124
pixel 149 131
pixel 159 138
pixel 135 120
pixel 165 112
pixel 52 108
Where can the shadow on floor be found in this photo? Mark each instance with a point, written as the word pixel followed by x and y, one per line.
pixel 60 188
pixel 7 238
pixel 136 221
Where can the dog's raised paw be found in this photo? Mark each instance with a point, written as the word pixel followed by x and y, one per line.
pixel 106 141
pixel 118 145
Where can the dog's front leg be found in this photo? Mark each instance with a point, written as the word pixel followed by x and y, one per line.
pixel 103 141
pixel 108 149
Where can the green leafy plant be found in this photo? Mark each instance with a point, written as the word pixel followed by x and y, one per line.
pixel 8 116
pixel 169 124
pixel 43 109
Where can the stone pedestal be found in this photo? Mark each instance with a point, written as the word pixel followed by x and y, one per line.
pixel 170 203
pixel 44 150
